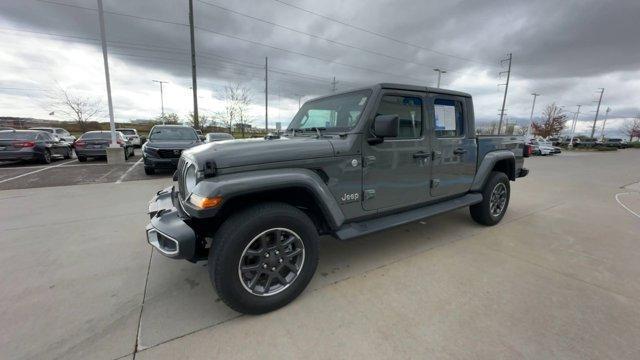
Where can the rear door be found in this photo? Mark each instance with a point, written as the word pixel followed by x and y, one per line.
pixel 454 145
pixel 51 144
pixel 396 171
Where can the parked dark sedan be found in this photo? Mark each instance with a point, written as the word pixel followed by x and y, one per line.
pixel 32 145
pixel 95 143
pixel 165 144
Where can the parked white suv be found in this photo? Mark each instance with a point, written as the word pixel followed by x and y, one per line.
pixel 61 133
pixel 131 135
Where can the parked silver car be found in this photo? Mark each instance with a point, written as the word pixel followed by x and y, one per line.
pixel 131 135
pixel 61 133
pixel 211 137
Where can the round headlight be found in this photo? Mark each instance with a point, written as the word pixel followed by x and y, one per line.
pixel 190 179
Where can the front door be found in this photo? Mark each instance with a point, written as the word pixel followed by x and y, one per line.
pixel 396 171
pixel 454 146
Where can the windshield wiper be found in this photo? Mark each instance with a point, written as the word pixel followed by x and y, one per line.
pixel 318 130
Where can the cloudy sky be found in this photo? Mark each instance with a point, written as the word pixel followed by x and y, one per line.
pixel 564 50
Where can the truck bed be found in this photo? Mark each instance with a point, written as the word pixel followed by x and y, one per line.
pixel 489 143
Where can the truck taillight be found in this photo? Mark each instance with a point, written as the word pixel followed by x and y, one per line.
pixel 24 144
pixel 526 152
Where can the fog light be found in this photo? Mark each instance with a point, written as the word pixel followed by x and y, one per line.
pixel 204 202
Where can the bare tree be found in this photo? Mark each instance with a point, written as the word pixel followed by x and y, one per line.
pixel 199 123
pixel 631 128
pixel 237 99
pixel 169 119
pixel 552 122
pixel 76 108
pixel 243 101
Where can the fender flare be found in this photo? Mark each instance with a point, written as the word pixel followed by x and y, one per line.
pixel 252 182
pixel 487 164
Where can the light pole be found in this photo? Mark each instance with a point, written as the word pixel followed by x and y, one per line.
pixel 105 58
pixel 531 117
pixel 161 98
pixel 573 128
pixel 440 72
pixel 606 115
pixel 506 88
pixel 595 120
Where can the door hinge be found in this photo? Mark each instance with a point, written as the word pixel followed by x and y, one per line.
pixel 435 183
pixel 369 194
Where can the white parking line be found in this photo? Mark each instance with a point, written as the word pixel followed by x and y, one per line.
pixel 128 171
pixel 625 206
pixel 35 171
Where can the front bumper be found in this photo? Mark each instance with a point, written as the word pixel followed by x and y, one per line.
pixel 167 231
pixel 160 163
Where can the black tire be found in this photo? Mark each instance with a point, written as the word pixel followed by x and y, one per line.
pixel 68 153
pixel 46 157
pixel 82 158
pixel 149 170
pixel 233 239
pixel 482 212
pixel 126 154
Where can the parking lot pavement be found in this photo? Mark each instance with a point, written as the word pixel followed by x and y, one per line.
pixel 557 278
pixel 15 175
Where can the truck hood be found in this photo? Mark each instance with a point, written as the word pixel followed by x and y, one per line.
pixel 172 144
pixel 232 153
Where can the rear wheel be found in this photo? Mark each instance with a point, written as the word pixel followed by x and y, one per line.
pixel 46 157
pixel 263 257
pixel 126 153
pixel 495 200
pixel 149 170
pixel 68 153
pixel 82 158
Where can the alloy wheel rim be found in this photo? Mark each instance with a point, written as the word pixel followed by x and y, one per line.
pixel 498 199
pixel 271 262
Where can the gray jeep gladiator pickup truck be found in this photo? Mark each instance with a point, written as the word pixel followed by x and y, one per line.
pixel 348 165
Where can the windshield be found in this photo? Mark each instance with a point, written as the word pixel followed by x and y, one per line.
pixel 173 133
pixel 96 135
pixel 127 131
pixel 335 113
pixel 15 135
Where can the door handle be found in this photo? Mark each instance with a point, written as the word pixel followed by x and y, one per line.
pixel 459 151
pixel 421 155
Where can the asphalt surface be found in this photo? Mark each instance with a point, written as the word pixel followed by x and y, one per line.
pixel 559 277
pixel 25 175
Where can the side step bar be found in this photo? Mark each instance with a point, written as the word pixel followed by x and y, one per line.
pixel 352 230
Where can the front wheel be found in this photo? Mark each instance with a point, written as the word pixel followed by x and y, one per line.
pixel 263 257
pixel 495 200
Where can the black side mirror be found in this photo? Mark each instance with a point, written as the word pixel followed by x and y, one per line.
pixel 201 137
pixel 385 126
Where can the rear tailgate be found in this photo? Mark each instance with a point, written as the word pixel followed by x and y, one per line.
pixel 97 143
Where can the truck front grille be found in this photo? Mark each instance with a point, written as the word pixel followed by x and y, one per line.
pixel 169 153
